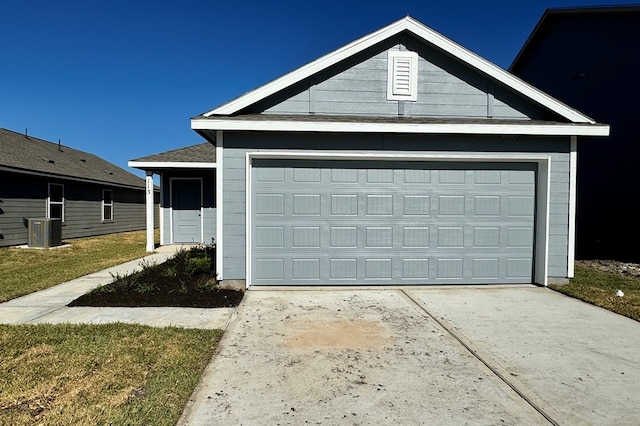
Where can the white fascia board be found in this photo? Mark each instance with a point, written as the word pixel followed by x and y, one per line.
pixel 170 165
pixel 425 128
pixel 421 31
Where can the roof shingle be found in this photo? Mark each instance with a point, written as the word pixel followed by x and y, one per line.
pixel 200 153
pixel 26 154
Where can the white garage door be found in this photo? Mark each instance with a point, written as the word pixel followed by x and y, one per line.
pixel 388 223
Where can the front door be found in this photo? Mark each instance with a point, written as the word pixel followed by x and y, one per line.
pixel 186 202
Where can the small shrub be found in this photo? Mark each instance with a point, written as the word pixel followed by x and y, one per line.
pixel 170 271
pixel 145 287
pixel 187 279
pixel 198 265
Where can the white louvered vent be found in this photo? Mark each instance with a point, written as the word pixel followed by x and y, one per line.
pixel 402 79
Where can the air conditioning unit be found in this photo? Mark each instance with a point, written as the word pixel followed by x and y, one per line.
pixel 44 232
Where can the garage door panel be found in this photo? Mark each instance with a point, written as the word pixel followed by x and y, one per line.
pixel 342 222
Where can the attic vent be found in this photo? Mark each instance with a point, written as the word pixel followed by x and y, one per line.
pixel 402 77
pixel 83 160
pixel 108 172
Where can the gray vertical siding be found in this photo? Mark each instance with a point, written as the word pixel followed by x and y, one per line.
pixel 445 89
pixel 238 144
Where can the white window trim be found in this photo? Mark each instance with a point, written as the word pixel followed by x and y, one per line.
pixel 107 204
pixel 395 78
pixel 60 203
pixel 543 192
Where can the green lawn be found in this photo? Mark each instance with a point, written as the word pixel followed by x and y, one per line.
pixel 131 374
pixel 92 374
pixel 25 271
pixel 599 288
pixel 99 374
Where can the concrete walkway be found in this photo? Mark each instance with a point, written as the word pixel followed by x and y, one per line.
pixel 445 355
pixel 49 306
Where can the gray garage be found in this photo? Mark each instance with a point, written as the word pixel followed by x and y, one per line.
pixel 348 222
pixel 399 159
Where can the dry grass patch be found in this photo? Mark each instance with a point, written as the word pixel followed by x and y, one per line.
pixel 26 271
pixel 99 374
pixel 599 288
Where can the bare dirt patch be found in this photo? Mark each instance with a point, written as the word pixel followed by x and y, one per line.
pixel 612 266
pixel 357 334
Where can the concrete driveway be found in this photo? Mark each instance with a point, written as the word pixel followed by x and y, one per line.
pixel 472 355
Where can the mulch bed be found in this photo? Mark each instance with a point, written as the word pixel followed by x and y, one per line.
pixel 186 280
pixel 214 298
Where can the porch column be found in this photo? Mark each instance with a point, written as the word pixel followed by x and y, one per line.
pixel 149 203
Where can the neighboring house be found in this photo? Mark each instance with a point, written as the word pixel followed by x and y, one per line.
pixel 188 192
pixel 41 179
pixel 589 58
pixel 401 158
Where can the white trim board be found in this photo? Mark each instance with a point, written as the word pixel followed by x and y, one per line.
pixel 170 165
pixel 427 35
pixel 543 188
pixel 219 205
pixel 573 179
pixel 410 128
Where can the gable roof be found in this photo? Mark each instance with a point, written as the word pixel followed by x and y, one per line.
pixel 552 16
pixel 21 153
pixel 421 32
pixel 202 155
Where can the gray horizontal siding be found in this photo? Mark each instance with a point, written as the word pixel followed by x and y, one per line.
pixel 12 228
pixel 238 144
pixel 446 88
pixel 24 196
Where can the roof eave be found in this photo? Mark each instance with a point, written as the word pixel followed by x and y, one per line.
pixel 71 178
pixel 552 129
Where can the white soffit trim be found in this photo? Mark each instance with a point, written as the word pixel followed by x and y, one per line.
pixel 421 31
pixel 171 165
pixel 425 128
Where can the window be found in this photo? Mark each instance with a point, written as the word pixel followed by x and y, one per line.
pixel 55 201
pixel 402 78
pixel 107 205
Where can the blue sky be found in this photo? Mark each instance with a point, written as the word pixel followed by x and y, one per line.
pixel 122 78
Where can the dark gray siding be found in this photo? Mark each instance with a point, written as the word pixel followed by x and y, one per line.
pixel 445 89
pixel 21 196
pixel 24 196
pixel 208 200
pixel 238 144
